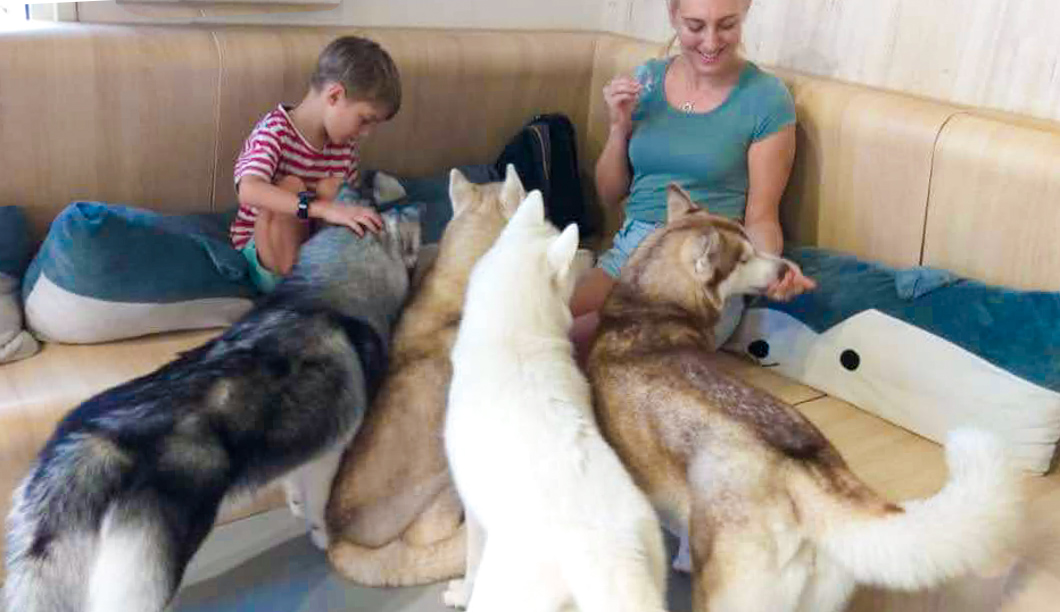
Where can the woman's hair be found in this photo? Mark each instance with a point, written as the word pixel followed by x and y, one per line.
pixel 671 6
pixel 363 68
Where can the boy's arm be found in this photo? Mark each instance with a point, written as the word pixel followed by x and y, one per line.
pixel 257 192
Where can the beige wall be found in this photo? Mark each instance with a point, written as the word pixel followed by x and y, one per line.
pixel 1002 54
pixel 504 14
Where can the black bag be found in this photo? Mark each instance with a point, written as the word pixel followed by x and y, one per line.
pixel 545 155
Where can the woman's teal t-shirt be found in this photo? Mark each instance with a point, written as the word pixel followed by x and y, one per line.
pixel 706 153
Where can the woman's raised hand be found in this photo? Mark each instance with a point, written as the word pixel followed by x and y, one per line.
pixel 621 98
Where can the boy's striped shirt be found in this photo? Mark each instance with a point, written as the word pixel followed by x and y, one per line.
pixel 276 148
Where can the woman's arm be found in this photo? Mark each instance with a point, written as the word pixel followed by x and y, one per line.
pixel 769 164
pixel 612 168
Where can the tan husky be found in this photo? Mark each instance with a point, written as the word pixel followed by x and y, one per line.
pixel 394 515
pixel 776 520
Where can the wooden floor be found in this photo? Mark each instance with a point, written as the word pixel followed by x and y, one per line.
pixel 902 465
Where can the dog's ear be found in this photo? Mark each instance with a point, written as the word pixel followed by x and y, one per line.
pixel 562 249
pixel 701 250
pixel 512 192
pixel 403 227
pixel 678 203
pixel 531 211
pixel 459 191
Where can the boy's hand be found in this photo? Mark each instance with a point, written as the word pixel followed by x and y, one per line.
pixel 357 218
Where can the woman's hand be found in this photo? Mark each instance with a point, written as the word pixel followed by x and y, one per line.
pixel 792 284
pixel 621 97
pixel 358 218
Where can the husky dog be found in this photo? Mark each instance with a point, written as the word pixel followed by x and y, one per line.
pixel 776 520
pixel 129 485
pixel 553 518
pixel 394 514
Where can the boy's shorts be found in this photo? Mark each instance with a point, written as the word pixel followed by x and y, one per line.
pixel 626 241
pixel 263 278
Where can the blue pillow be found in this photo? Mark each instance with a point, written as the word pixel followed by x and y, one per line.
pixel 1018 331
pixel 15 343
pixel 921 347
pixel 107 272
pixel 14 241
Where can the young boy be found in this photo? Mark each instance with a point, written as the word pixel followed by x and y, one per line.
pixel 296 159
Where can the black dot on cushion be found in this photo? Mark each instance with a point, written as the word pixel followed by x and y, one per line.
pixel 850 360
pixel 759 349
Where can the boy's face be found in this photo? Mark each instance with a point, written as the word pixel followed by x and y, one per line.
pixel 346 120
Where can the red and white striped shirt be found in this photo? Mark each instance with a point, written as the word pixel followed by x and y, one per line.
pixel 276 148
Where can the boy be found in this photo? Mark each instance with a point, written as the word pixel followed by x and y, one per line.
pixel 296 159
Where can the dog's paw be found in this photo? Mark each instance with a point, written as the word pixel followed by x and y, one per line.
pixel 319 534
pixel 293 494
pixel 683 559
pixel 457 595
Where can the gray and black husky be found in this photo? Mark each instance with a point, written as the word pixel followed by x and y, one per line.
pixel 130 483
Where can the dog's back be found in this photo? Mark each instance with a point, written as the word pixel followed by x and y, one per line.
pixel 563 520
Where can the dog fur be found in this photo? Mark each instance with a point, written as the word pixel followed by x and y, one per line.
pixel 394 509
pixel 130 483
pixel 776 520
pixel 553 517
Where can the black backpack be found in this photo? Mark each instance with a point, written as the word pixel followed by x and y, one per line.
pixel 545 155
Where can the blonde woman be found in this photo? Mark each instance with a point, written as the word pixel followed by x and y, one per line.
pixel 710 120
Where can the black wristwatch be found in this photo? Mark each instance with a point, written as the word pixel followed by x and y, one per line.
pixel 305 198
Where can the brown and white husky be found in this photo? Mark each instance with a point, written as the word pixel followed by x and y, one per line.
pixel 776 520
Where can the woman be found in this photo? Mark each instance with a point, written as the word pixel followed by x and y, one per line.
pixel 709 120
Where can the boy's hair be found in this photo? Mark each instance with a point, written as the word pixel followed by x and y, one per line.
pixel 363 68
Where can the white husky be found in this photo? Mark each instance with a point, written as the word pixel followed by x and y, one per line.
pixel 554 519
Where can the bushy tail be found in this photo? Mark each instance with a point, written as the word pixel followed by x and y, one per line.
pixel 38 582
pixel 399 564
pixel 966 526
pixel 59 534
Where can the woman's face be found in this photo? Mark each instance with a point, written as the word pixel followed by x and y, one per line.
pixel 709 33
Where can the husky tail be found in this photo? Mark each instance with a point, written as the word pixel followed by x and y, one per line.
pixel 965 526
pixel 73 545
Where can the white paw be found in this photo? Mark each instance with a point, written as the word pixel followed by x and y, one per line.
pixel 319 534
pixel 294 499
pixel 457 595
pixel 683 560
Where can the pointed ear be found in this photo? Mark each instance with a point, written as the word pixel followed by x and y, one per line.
pixel 678 203
pixel 512 192
pixel 459 191
pixel 531 211
pixel 562 249
pixel 701 249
